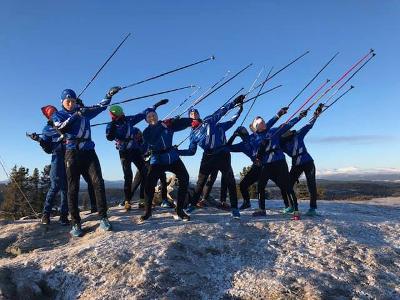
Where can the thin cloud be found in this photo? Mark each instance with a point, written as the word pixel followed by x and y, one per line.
pixel 352 139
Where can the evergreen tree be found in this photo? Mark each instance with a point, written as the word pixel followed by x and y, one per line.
pixel 253 187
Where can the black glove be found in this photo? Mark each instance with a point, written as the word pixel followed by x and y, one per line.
pixel 303 113
pixel 240 108
pixel 34 136
pixel 319 109
pixel 282 111
pixel 161 102
pixel 83 111
pixel 113 91
pixel 241 131
pixel 239 99
pixel 79 102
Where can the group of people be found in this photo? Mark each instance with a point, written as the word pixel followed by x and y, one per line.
pixel 67 136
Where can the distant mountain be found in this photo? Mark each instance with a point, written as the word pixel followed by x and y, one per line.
pixel 354 173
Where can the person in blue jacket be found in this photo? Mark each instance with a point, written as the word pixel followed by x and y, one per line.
pixel 158 137
pixel 249 146
pixel 273 166
pixel 292 143
pixel 73 122
pixel 209 134
pixel 51 142
pixel 127 139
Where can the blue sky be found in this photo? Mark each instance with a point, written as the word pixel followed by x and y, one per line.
pixel 47 46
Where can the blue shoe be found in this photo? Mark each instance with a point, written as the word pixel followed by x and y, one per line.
pixel 312 212
pixel 288 210
pixel 235 213
pixel 76 230
pixel 191 208
pixel 165 204
pixel 105 224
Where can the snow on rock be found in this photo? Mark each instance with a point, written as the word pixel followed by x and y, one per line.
pixel 351 250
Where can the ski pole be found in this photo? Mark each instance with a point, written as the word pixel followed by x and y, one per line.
pixel 101 68
pixel 217 88
pixel 263 93
pixel 234 95
pixel 308 100
pixel 255 80
pixel 283 68
pixel 255 98
pixel 209 89
pixel 316 75
pixel 348 90
pixel 168 72
pixel 340 79
pixel 146 96
pixel 183 102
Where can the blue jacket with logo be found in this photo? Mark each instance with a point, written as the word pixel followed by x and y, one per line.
pixel 249 146
pixel 158 140
pixel 210 135
pixel 270 149
pixel 75 125
pixel 295 147
pixel 124 132
pixel 51 141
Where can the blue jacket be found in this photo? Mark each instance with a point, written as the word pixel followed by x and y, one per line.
pixel 249 146
pixel 124 133
pixel 76 126
pixel 210 135
pixel 158 140
pixel 51 141
pixel 295 147
pixel 270 149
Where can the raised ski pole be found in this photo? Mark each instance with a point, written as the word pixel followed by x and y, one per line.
pixel 327 106
pixel 261 94
pixel 217 88
pixel 258 94
pixel 234 95
pixel 209 89
pixel 312 79
pixel 105 63
pixel 183 102
pixel 340 79
pixel 283 68
pixel 168 72
pixel 308 100
pixel 146 96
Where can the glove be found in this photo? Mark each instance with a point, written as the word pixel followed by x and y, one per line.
pixel 318 111
pixel 196 123
pixel 303 113
pixel 113 91
pixel 161 102
pixel 241 131
pixel 282 111
pixel 79 102
pixel 239 99
pixel 105 101
pixel 240 109
pixel 168 122
pixel 34 136
pixel 83 111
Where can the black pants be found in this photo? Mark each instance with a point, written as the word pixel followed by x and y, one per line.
pixel 249 179
pixel 90 189
pixel 216 162
pixel 278 172
pixel 128 157
pixel 156 171
pixel 78 162
pixel 309 170
pixel 138 181
pixel 210 183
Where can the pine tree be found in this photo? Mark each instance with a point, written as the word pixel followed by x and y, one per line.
pixel 253 187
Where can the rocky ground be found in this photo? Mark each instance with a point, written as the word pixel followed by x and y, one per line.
pixel 351 250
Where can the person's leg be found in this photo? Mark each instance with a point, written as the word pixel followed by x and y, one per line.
pixel 153 174
pixel 63 191
pixel 141 166
pixel 96 177
pixel 53 190
pixel 227 173
pixel 261 184
pixel 309 170
pixel 164 192
pixel 224 189
pixel 72 162
pixel 209 185
pixel 179 169
pixel 92 196
pixel 249 179
pixel 126 161
pixel 206 167
pixel 282 180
